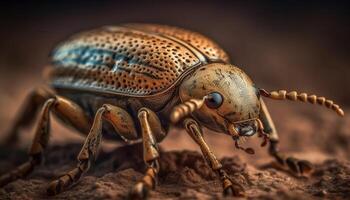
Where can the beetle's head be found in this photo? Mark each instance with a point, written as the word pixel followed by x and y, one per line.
pixel 224 99
pixel 230 101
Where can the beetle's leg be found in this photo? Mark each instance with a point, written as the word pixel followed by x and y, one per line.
pixel 230 187
pixel 150 127
pixel 121 121
pixel 26 115
pixel 298 167
pixel 66 109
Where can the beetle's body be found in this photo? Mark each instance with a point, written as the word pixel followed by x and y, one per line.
pixel 130 66
pixel 142 78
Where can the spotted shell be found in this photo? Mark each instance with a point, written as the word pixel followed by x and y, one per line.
pixel 130 59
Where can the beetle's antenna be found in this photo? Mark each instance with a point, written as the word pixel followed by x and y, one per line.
pixel 303 97
pixel 185 109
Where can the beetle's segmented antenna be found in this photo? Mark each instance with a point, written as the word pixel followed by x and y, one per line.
pixel 185 109
pixel 303 97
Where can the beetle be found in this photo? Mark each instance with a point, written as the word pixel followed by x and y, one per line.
pixel 135 81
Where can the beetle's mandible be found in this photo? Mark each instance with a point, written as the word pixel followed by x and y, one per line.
pixel 134 81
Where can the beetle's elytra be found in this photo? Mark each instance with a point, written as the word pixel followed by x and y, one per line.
pixel 140 79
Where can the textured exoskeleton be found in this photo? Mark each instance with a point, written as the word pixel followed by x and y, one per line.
pixel 136 80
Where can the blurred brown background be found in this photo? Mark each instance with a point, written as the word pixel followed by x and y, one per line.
pixel 280 44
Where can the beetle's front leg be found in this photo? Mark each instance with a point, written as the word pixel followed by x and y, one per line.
pixel 230 187
pixel 297 166
pixel 151 130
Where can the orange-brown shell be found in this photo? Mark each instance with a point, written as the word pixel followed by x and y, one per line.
pixel 131 59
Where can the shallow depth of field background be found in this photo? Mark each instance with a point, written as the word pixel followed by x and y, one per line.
pixel 289 45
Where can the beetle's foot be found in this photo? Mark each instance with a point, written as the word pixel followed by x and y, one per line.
pixel 147 183
pixel 297 166
pixel 59 185
pixel 139 191
pixel 54 188
pixel 68 179
pixel 17 173
pixel 230 187
pixel 22 170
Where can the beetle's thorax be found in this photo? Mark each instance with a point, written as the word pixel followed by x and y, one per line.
pixel 240 100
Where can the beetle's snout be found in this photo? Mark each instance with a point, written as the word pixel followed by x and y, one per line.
pixel 246 129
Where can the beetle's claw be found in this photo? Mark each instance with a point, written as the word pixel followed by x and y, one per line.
pixel 233 189
pixel 138 191
pixel 299 167
pixel 54 188
pixel 305 166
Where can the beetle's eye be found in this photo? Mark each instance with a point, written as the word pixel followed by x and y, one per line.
pixel 214 100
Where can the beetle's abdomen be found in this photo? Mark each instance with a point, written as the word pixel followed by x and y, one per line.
pixel 122 60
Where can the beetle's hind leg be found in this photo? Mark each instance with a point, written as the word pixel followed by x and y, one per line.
pixel 296 166
pixel 67 110
pixel 124 126
pixel 31 105
pixel 152 131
